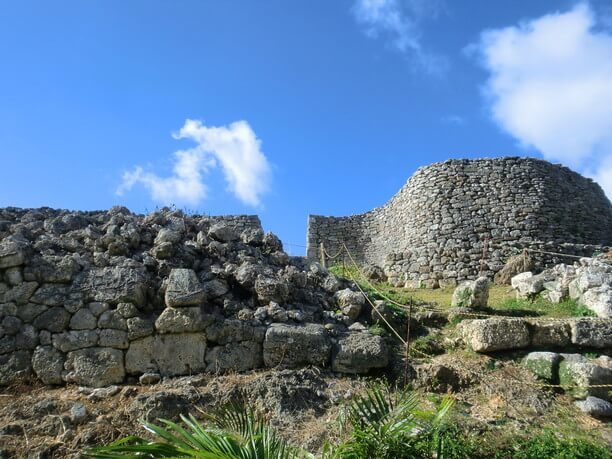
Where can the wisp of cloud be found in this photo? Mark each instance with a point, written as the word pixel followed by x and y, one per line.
pixel 235 148
pixel 399 22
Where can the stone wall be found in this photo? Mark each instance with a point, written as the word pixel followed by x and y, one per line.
pixel 434 230
pixel 97 298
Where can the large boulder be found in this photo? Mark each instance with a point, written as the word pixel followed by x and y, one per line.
pixel 545 365
pixel 596 407
pixel 553 333
pixel 223 232
pixel 12 253
pixel 579 377
pixel 170 355
pixel 181 320
pixel 472 294
pixel 48 364
pixel 234 331
pixel 599 300
pixel 271 289
pixel 95 367
pixel 527 285
pixel 75 339
pixel 359 353
pixel 116 284
pixel 486 335
pixel 184 289
pixel 292 346
pixel 595 333
pixel 15 367
pixel 242 356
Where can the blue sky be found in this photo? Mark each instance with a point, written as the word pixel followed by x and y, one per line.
pixel 289 108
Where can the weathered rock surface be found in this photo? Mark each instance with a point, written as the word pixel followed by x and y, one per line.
pixel 545 365
pixel 184 289
pixel 359 353
pixel 588 281
pixel 95 367
pixel 290 346
pixel 169 355
pixel 486 335
pixel 472 294
pixel 596 407
pixel 90 297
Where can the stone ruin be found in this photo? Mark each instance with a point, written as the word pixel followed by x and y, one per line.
pixel 435 230
pixel 99 298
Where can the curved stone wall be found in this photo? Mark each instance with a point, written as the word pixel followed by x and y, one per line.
pixel 435 229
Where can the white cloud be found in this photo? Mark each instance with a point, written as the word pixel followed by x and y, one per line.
pixel 550 87
pixel 400 23
pixel 235 148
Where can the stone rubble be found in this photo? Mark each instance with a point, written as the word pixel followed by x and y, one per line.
pixel 99 298
pixel 589 281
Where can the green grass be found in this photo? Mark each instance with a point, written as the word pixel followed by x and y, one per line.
pixel 566 308
pixel 502 298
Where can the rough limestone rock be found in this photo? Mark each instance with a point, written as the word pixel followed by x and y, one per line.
pixel 83 319
pixel 595 333
pixel 170 355
pixel 139 327
pixel 599 300
pixel 545 365
pixel 12 253
pixel 233 331
pixel 223 232
pixel 527 285
pixel 347 296
pixel 95 367
pixel 271 289
pixel 15 366
pixel 242 356
pixel 117 284
pixel 182 320
pixel 48 364
pixel 596 407
pixel 472 294
pixel 75 339
pixel 54 320
pixel 113 338
pixel 184 289
pixel 515 265
pixel 486 335
pixel 359 353
pixel 291 346
pixel 579 374
pixel 547 334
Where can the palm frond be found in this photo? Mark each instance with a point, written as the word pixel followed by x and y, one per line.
pixel 234 433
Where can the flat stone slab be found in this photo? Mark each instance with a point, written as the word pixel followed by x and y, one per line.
pixel 292 346
pixel 487 335
pixel 359 353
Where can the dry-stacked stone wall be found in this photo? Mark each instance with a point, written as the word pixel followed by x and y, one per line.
pixel 454 219
pixel 97 298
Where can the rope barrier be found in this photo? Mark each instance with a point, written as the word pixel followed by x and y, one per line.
pixel 479 315
pixel 330 257
pixel 428 356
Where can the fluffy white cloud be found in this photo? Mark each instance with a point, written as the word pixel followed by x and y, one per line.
pixel 399 21
pixel 550 87
pixel 235 148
